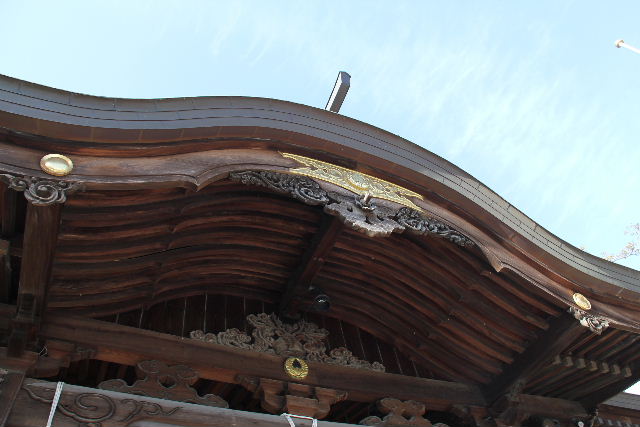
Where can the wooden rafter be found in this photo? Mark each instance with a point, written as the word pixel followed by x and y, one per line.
pixel 611 390
pixel 563 330
pixel 310 264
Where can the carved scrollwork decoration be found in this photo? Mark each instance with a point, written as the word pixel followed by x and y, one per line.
pixel 399 413
pixel 417 223
pixel 357 210
pixel 156 379
pixel 596 324
pixel 299 187
pixel 301 339
pixel 41 191
pixel 91 408
pixel 94 409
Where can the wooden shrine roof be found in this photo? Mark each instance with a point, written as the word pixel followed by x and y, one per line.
pixel 160 215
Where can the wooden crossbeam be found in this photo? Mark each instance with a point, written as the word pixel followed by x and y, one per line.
pixel 562 331
pixel 115 409
pixel 310 264
pixel 125 345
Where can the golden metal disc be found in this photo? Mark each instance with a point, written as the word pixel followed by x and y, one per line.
pixel 296 368
pixel 56 164
pixel 581 301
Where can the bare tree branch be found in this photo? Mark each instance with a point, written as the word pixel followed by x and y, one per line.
pixel 632 248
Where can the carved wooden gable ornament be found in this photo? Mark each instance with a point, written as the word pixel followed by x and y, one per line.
pixel 301 339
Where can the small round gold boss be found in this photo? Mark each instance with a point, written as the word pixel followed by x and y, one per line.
pixel 581 301
pixel 56 164
pixel 296 368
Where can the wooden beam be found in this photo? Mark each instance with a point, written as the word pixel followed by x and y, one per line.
pixel 125 345
pixel 115 409
pixel 40 237
pixel 310 264
pixel 562 331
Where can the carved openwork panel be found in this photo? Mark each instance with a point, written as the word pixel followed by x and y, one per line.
pixel 98 409
pixel 399 413
pixel 41 191
pixel 301 339
pixel 165 382
pixel 392 212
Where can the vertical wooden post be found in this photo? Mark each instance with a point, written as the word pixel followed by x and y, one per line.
pixel 40 236
pixel 7 229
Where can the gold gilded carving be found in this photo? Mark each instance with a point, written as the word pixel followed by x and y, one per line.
pixel 296 368
pixel 362 184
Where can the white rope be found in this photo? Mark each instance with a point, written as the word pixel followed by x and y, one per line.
pixel 54 403
pixel 314 422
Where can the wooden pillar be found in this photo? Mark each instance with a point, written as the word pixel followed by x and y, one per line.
pixel 40 236
pixel 7 230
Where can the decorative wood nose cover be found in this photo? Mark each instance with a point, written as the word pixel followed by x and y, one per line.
pixel 301 339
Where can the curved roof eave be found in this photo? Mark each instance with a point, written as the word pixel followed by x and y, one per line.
pixel 130 125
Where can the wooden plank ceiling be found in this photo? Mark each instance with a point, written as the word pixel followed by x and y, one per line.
pixel 437 303
pixel 172 260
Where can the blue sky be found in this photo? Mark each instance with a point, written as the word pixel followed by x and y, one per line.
pixel 532 98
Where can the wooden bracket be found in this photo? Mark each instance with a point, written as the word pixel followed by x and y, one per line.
pixel 277 397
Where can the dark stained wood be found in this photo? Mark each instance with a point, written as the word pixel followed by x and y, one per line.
pixel 12 374
pixel 562 330
pixel 176 151
pixel 41 233
pixel 126 345
pixel 310 264
pixel 10 383
pixel 7 211
pixel 605 393
pixel 31 412
pixel 5 272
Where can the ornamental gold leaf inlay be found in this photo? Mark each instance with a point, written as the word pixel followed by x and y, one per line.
pixel 356 182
